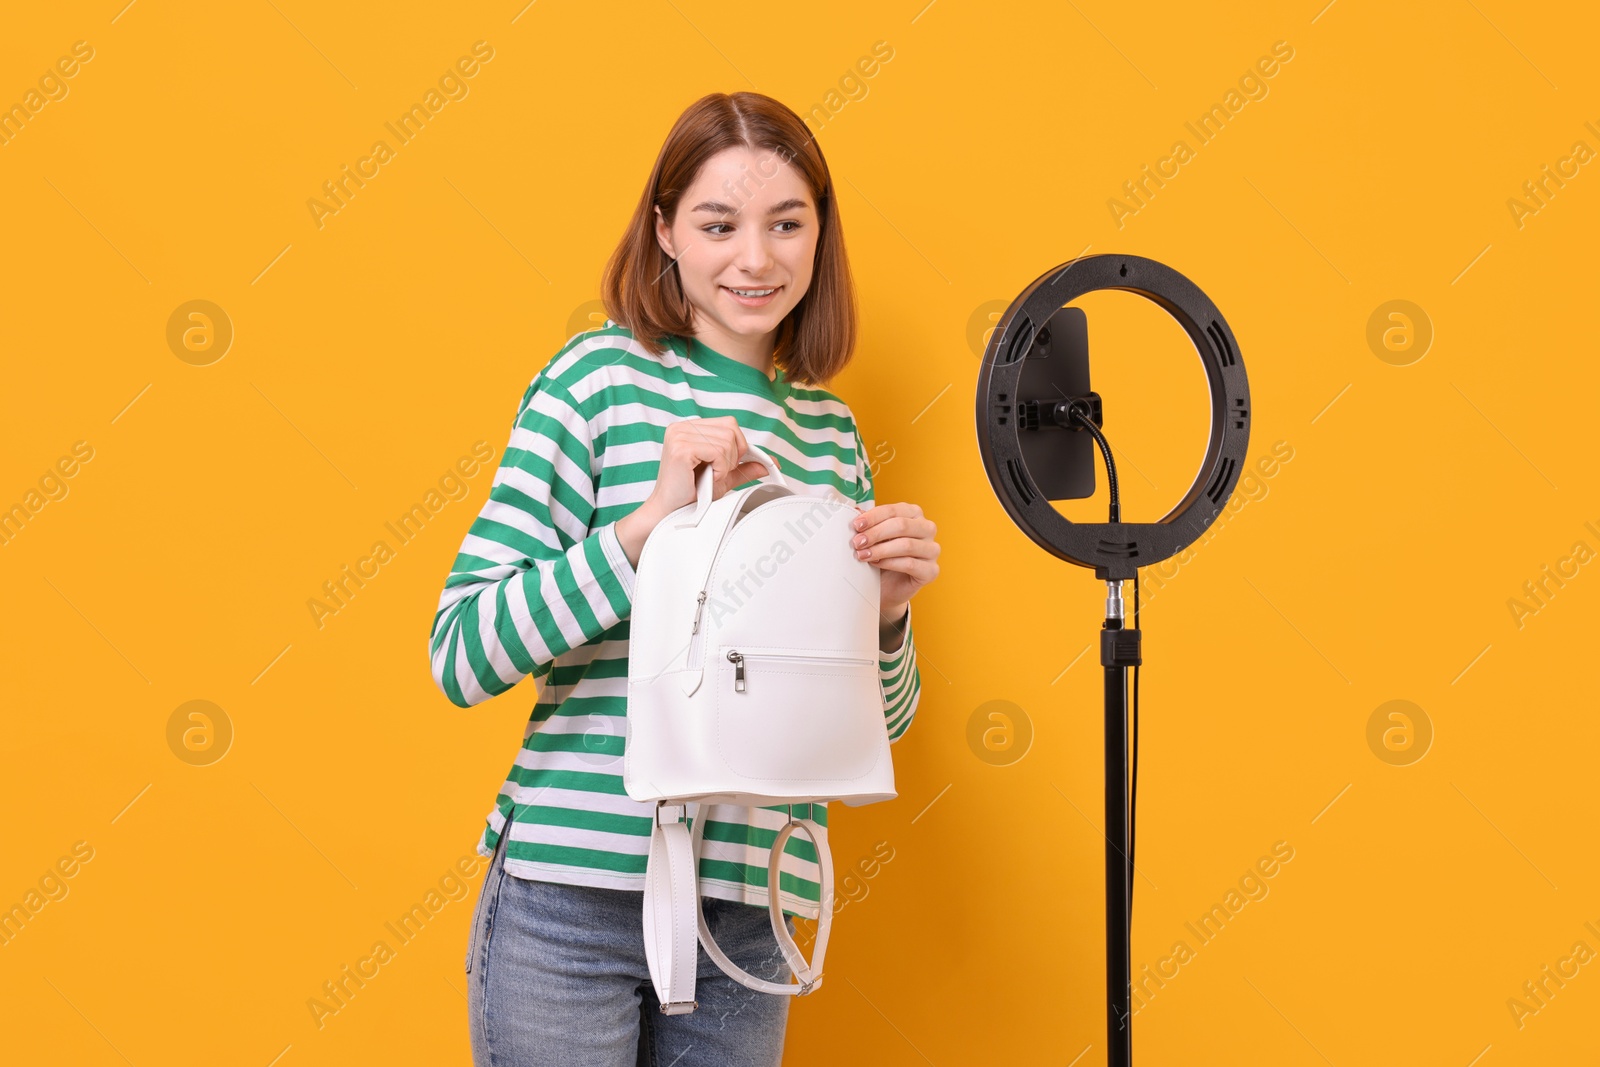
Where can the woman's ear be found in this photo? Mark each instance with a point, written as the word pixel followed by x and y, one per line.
pixel 664 234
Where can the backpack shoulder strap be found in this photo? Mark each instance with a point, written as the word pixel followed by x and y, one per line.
pixel 808 974
pixel 671 901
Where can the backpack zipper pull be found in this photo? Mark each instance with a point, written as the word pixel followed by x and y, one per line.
pixel 738 670
pixel 700 602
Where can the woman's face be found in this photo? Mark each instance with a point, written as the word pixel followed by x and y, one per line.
pixel 748 222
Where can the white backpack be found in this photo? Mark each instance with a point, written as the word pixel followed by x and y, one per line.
pixel 753 680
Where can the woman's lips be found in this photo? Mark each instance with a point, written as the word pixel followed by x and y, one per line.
pixel 754 301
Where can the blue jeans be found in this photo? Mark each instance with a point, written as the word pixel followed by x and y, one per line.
pixel 557 975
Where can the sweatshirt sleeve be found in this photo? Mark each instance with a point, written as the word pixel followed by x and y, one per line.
pixel 533 579
pixel 897 670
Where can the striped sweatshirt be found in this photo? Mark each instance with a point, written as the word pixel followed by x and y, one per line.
pixel 542 587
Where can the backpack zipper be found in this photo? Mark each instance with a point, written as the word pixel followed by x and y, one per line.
pixel 694 632
pixel 737 659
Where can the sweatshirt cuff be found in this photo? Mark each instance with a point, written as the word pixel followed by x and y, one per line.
pixel 892 661
pixel 621 569
pixel 901 682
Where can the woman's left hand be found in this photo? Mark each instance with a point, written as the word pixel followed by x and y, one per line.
pixel 898 540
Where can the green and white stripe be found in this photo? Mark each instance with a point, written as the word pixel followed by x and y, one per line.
pixel 542 587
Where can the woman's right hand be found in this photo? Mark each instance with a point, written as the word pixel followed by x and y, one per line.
pixel 686 446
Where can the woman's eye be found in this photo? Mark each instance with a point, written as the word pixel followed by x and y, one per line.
pixel 715 232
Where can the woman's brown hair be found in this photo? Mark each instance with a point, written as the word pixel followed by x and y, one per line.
pixel 641 288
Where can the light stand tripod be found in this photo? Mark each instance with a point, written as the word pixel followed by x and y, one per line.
pixel 1037 423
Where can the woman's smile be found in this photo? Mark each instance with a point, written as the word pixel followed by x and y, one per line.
pixel 768 294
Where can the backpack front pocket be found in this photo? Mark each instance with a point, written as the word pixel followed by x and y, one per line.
pixel 791 715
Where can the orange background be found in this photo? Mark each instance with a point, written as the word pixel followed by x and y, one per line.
pixel 1414 493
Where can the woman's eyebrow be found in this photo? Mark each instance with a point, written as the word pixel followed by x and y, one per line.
pixel 717 207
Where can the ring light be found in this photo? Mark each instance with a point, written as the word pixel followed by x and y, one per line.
pixel 1114 550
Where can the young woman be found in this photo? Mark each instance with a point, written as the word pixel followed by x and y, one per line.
pixel 731 303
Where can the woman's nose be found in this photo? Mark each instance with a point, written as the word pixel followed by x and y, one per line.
pixel 755 258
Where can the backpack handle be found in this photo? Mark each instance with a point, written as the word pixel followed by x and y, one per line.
pixel 703 482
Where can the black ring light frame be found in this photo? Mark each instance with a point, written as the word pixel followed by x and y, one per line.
pixel 1115 550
